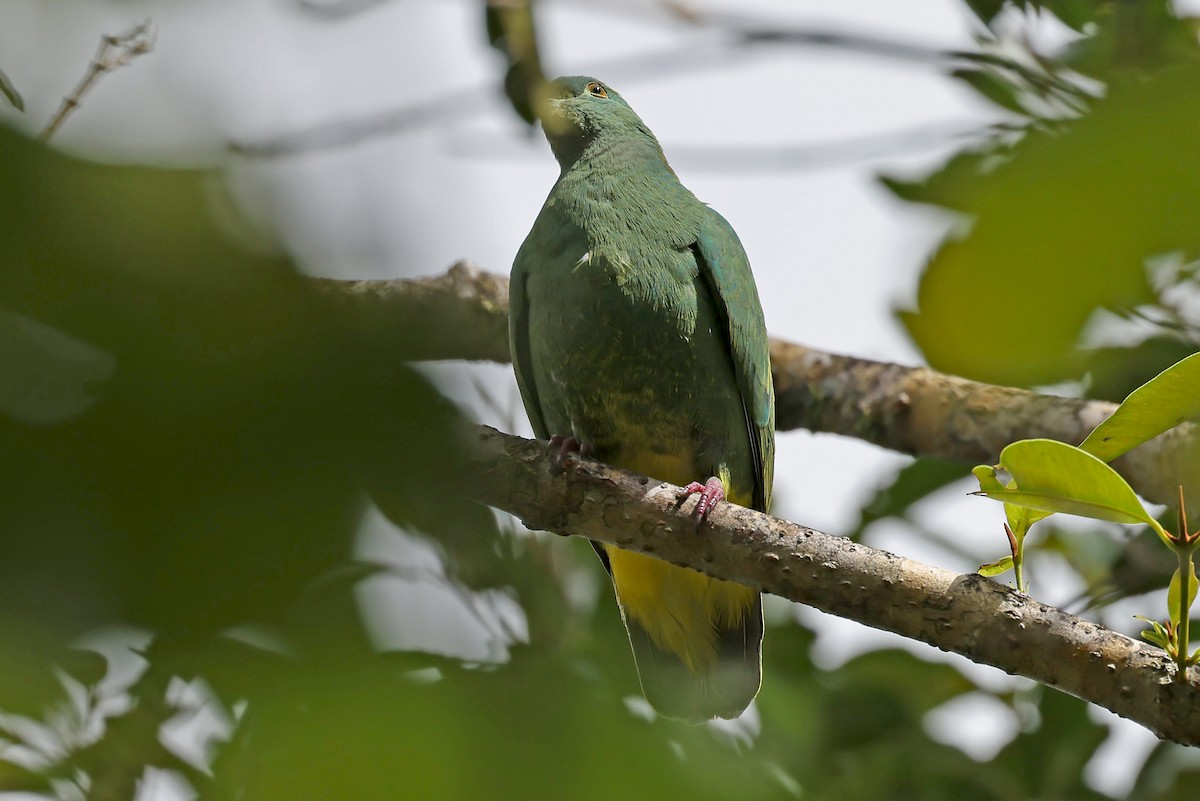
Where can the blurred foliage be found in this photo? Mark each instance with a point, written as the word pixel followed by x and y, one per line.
pixel 1068 218
pixel 1075 259
pixel 510 30
pixel 192 435
pixel 11 95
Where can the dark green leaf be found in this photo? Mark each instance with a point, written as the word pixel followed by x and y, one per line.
pixel 986 10
pixel 952 186
pixel 1114 372
pixel 1074 13
pixel 993 87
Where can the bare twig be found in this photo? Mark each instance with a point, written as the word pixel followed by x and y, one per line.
pixel 113 53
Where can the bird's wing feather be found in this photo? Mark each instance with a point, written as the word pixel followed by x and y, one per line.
pixel 518 342
pixel 726 271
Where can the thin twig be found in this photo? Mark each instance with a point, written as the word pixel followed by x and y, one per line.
pixel 113 53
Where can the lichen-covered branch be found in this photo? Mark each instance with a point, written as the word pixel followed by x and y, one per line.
pixel 463 314
pixel 964 614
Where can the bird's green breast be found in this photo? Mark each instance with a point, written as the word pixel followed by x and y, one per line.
pixel 626 349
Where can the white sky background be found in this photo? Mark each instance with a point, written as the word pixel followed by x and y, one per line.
pixel 833 252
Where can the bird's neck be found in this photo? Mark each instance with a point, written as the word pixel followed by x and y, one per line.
pixel 619 157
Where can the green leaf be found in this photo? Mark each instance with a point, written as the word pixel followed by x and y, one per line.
pixel 1073 13
pixel 1163 402
pixel 1001 302
pixel 1116 371
pixel 16 778
pixel 10 93
pixel 986 475
pixel 1173 592
pixel 1156 634
pixel 1051 476
pixel 910 484
pixel 952 186
pixel 996 568
pixel 1021 518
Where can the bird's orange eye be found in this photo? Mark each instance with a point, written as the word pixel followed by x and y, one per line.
pixel 596 90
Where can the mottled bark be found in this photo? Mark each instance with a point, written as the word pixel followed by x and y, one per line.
pixel 463 314
pixel 965 614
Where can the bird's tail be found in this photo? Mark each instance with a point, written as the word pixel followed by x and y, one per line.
pixel 697 640
pixel 721 689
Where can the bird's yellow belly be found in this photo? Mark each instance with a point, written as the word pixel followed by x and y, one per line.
pixel 679 608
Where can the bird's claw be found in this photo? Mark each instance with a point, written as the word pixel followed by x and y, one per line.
pixel 561 448
pixel 711 493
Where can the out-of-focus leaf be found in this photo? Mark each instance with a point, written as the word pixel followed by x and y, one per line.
pixel 49 376
pixel 1063 228
pixel 511 30
pixel 1049 760
pixel 910 484
pixel 1114 372
pixel 225 468
pixel 1051 476
pixel 10 93
pixel 953 185
pixel 86 667
pixel 1074 13
pixel 1140 564
pixel 922 685
pixel 1163 402
pixel 1133 39
pixel 1169 773
pixel 537 729
pixel 986 10
pixel 990 85
pixel 16 778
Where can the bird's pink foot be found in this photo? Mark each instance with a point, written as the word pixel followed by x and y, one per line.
pixel 711 493
pixel 560 450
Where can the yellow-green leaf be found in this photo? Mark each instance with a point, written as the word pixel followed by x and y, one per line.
pixel 996 568
pixel 985 474
pixel 1051 476
pixel 1020 518
pixel 1163 402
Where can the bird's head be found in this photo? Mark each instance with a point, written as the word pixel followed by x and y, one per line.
pixel 576 110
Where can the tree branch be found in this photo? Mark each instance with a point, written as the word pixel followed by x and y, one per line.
pixel 963 614
pixel 463 314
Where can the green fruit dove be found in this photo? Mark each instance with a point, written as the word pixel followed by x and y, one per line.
pixel 636 328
